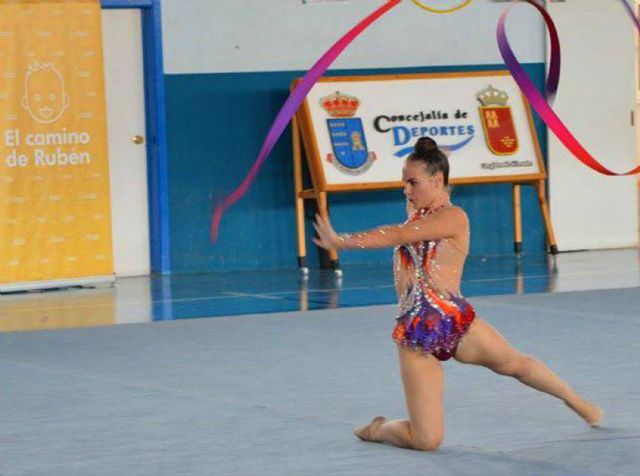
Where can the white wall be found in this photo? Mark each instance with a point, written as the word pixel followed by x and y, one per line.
pixel 596 96
pixel 588 210
pixel 213 36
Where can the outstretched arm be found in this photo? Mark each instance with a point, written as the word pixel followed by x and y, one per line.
pixel 446 223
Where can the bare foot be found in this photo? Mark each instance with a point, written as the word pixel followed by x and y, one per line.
pixel 596 416
pixel 590 412
pixel 366 433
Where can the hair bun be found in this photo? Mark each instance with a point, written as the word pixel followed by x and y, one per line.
pixel 424 145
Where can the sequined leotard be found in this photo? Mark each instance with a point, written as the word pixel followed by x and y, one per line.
pixel 433 315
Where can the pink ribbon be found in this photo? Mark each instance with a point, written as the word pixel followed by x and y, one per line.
pixel 290 107
pixel 538 101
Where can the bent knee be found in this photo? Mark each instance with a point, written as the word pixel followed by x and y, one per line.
pixel 516 367
pixel 427 442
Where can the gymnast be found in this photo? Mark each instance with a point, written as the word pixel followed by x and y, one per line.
pixel 435 322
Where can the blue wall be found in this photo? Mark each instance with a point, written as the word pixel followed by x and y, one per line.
pixel 216 124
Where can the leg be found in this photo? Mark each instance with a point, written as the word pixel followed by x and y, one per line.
pixel 423 381
pixel 483 345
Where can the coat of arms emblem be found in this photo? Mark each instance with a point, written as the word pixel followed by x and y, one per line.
pixel 350 153
pixel 497 121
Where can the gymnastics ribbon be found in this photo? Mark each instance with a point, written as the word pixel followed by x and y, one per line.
pixel 290 107
pixel 538 101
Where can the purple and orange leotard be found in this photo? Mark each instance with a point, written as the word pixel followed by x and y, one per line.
pixel 433 315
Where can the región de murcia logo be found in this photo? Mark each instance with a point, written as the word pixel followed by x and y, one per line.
pixel 497 121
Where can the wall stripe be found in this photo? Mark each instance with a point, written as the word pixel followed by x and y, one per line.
pixel 216 124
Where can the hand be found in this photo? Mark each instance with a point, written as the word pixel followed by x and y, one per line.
pixel 327 237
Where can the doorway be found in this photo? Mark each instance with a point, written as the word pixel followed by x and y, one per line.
pixel 134 70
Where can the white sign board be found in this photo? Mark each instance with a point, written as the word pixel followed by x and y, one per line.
pixel 364 127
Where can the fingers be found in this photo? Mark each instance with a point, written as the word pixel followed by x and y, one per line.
pixel 320 220
pixel 323 229
pixel 320 225
pixel 320 243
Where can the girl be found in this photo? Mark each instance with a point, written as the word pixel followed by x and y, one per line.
pixel 435 322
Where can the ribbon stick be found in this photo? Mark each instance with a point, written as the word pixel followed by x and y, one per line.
pixel 290 107
pixel 538 101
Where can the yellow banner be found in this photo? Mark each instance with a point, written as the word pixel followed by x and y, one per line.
pixel 55 217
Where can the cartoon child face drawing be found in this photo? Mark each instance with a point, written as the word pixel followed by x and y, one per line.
pixel 44 96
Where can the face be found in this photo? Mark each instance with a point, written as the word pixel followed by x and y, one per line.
pixel 421 188
pixel 44 97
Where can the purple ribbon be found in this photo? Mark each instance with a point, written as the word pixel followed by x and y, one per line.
pixel 538 101
pixel 290 107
